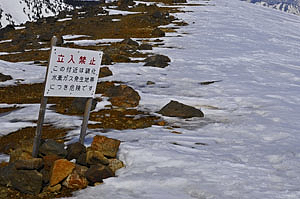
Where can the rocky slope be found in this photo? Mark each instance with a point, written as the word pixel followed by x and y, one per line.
pixel 291 6
pixel 19 11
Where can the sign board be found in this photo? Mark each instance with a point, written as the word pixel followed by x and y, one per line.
pixel 72 72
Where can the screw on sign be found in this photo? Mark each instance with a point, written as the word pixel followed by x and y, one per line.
pixel 71 73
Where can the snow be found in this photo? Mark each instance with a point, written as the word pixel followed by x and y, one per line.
pixel 247 146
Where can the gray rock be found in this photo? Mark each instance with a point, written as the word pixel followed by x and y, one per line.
pixel 130 42
pixel 75 150
pixel 25 181
pixel 4 78
pixel 177 109
pixel 96 173
pixel 96 157
pixel 105 72
pixel 160 61
pixel 78 105
pixel 145 47
pixel 51 147
pixel 81 160
pixel 158 33
pixel 106 59
pixel 31 164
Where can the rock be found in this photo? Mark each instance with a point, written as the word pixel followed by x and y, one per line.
pixel 157 14
pixel 150 83
pixel 108 146
pixel 120 58
pixel 106 60
pixel 48 163
pixel 160 61
pixel 77 106
pixel 75 181
pixel 5 30
pixel 158 33
pixel 4 78
pixel 176 109
pixel 60 170
pixel 81 170
pixel 130 42
pixel 105 72
pixel 179 1
pixel 28 181
pixel 145 47
pixel 82 159
pixel 31 164
pixel 123 96
pixel 115 164
pixel 51 147
pixel 6 174
pixel 96 157
pixel 25 181
pixel 123 4
pixel 96 173
pixel 54 189
pixel 46 36
pixel 75 150
pixel 19 154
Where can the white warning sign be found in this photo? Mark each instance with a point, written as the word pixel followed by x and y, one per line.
pixel 72 72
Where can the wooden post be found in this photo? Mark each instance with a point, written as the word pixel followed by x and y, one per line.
pixel 86 116
pixel 38 132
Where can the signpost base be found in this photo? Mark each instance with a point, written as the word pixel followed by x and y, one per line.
pixel 86 115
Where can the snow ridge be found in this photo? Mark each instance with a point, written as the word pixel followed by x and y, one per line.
pixel 290 6
pixel 16 12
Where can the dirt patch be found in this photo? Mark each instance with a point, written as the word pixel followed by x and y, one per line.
pixel 33 42
pixel 122 119
pixel 24 137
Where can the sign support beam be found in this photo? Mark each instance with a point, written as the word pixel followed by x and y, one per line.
pixel 87 110
pixel 38 132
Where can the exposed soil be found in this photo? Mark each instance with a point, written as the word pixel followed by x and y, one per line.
pixel 24 137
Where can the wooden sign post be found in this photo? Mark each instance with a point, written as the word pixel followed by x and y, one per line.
pixel 70 73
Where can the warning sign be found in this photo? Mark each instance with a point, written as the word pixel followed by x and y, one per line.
pixel 72 72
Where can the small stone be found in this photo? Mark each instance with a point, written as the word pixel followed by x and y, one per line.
pixel 4 78
pixel 96 173
pixel 96 157
pixel 145 47
pixel 158 33
pixel 19 154
pixel 51 147
pixel 82 159
pixel 177 109
pixel 81 170
pixel 108 146
pixel 31 164
pixel 75 181
pixel 115 164
pixel 105 72
pixel 61 169
pixel 123 96
pixel 78 105
pixel 160 61
pixel 54 189
pixel 130 42
pixel 150 83
pixel 74 150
